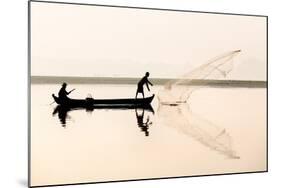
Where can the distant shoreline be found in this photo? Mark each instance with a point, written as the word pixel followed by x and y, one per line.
pixel 156 81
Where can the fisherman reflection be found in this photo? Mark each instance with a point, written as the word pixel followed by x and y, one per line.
pixel 144 126
pixel 62 114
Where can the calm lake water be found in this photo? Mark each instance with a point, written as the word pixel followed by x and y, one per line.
pixel 219 130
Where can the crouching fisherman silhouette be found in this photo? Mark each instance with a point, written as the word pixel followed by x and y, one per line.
pixel 63 93
pixel 143 81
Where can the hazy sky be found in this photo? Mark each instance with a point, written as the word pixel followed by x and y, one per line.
pixel 76 40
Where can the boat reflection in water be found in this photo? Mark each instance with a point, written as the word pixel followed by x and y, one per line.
pixel 181 118
pixel 62 113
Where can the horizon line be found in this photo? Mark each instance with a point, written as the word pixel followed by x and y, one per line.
pixel 156 81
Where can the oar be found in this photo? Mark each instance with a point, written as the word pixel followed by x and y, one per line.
pixel 52 103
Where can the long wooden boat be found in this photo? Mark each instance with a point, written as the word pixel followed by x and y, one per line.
pixel 96 103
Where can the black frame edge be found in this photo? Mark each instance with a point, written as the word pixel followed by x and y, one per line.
pixel 148 8
pixel 29 91
pixel 150 179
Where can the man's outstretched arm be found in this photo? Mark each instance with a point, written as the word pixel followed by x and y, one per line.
pixel 147 86
pixel 69 91
pixel 149 82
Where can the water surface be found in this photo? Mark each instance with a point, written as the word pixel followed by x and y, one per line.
pixel 219 130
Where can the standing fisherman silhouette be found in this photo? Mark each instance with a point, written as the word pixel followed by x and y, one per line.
pixel 143 81
pixel 63 93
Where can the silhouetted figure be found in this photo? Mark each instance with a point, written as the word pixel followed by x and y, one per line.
pixel 63 93
pixel 62 114
pixel 143 81
pixel 143 126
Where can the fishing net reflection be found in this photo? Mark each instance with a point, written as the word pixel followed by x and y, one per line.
pixel 182 119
